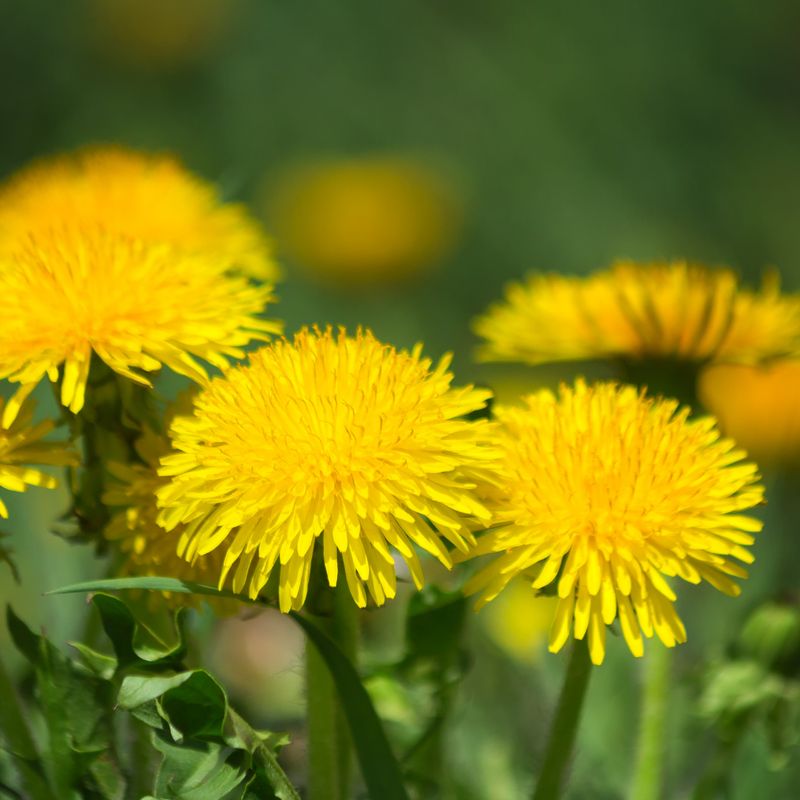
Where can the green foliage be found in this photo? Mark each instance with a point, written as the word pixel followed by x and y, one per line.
pixel 379 766
pixel 76 706
pixel 207 751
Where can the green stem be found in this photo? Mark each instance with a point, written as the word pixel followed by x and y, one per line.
pixel 329 744
pixel 650 749
pixel 20 743
pixel 565 724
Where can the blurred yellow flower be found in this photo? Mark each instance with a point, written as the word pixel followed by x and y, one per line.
pixel 146 547
pixel 758 406
pixel 22 443
pixel 146 197
pixel 69 293
pixel 333 437
pixel 160 34
pixel 519 619
pixel 675 310
pixel 605 493
pixel 366 220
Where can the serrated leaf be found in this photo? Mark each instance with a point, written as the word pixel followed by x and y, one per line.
pixel 379 766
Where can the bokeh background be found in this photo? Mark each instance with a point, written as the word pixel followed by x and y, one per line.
pixel 410 158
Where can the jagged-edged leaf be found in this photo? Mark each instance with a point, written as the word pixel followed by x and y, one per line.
pixel 378 764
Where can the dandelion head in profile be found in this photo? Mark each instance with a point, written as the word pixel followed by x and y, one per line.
pixel 150 197
pixel 334 438
pixel 607 495
pixel 22 443
pixel 661 310
pixel 66 294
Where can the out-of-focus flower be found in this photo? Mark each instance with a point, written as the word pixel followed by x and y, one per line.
pixel 333 437
pixel 758 406
pixel 661 310
pixel 151 198
pixel 159 34
pixel 519 619
pixel 367 220
pixel 21 444
pixel 606 492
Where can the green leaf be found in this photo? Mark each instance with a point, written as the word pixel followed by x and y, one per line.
pixel 152 584
pixel 199 771
pixel 192 702
pixel 133 642
pixel 378 764
pixel 76 706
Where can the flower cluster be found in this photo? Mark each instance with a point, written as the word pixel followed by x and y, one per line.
pixel 332 452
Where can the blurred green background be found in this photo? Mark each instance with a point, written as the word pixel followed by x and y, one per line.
pixel 571 133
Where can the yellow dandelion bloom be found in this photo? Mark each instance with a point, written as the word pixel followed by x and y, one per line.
pixel 333 437
pixel 22 443
pixel 758 406
pixel 365 220
pixel 669 310
pixel 142 196
pixel 66 294
pixel 607 494
pixel 146 547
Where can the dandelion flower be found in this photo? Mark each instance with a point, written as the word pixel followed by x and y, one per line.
pixel 146 547
pixel 152 198
pixel 22 443
pixel 607 495
pixel 662 310
pixel 758 406
pixel 366 220
pixel 66 294
pixel 329 437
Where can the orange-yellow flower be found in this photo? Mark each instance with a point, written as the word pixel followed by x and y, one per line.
pixel 147 197
pixel 607 494
pixel 758 406
pixel 661 310
pixel 365 220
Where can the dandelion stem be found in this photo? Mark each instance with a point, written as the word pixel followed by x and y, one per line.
pixel 16 737
pixel 329 744
pixel 650 750
pixel 565 724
